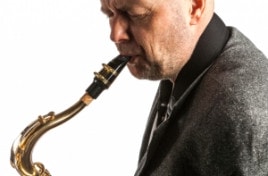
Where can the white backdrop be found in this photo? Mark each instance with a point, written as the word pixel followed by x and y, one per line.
pixel 49 50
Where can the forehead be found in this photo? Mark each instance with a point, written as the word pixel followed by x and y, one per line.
pixel 124 4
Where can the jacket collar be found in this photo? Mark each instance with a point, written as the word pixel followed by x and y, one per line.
pixel 209 46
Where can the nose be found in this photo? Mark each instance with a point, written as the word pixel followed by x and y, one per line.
pixel 119 29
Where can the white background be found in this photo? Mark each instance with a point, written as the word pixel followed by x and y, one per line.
pixel 49 50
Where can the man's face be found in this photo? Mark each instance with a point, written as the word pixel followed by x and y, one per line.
pixel 154 32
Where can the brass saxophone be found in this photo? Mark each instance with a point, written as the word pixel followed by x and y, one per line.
pixel 22 147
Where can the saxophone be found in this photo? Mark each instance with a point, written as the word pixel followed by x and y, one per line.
pixel 22 147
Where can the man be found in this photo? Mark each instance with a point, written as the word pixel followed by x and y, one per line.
pixel 210 114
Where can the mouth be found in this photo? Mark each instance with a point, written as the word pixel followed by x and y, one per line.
pixel 133 59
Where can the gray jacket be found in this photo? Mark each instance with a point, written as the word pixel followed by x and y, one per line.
pixel 221 127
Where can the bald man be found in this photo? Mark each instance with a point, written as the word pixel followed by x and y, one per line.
pixel 210 113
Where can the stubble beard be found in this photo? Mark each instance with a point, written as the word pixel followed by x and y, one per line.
pixel 147 70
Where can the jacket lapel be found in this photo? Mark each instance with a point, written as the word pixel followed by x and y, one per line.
pixel 156 138
pixel 159 132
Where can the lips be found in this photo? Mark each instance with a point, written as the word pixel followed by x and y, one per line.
pixel 135 53
pixel 132 56
pixel 133 60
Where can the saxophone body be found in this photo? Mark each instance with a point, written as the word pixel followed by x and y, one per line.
pixel 21 151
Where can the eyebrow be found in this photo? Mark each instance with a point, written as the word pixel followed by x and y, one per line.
pixel 103 10
pixel 123 7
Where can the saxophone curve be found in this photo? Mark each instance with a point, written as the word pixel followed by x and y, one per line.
pixel 21 151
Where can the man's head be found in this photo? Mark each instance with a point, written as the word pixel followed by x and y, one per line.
pixel 160 35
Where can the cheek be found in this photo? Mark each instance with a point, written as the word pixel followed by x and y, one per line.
pixel 157 37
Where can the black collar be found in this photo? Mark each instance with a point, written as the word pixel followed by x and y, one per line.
pixel 207 49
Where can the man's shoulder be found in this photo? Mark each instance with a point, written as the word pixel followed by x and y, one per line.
pixel 240 70
pixel 239 45
pixel 241 57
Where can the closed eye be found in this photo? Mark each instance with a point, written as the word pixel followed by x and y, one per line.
pixel 139 16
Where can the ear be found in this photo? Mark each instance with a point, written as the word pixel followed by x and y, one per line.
pixel 197 10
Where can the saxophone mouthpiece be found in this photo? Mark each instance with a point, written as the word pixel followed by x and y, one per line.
pixel 105 77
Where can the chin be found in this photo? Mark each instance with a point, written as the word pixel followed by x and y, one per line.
pixel 134 72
